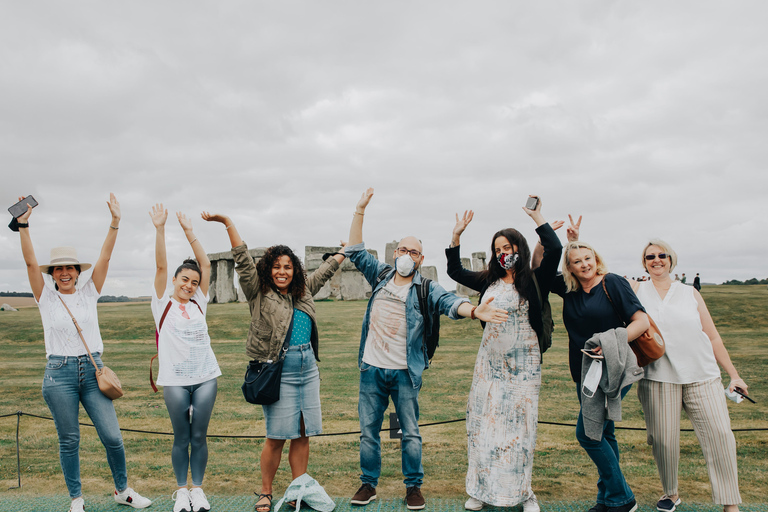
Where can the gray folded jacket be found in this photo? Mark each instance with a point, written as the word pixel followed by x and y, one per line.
pixel 619 371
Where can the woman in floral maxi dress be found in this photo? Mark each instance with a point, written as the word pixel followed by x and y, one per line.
pixel 502 410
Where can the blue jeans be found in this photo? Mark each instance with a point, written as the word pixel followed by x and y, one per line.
pixel 612 488
pixel 376 386
pixel 68 381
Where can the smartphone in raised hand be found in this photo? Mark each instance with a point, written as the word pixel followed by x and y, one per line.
pixel 20 208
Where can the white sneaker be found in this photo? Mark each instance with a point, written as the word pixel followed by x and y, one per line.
pixel 531 504
pixel 132 498
pixel 183 503
pixel 78 505
pixel 199 501
pixel 473 504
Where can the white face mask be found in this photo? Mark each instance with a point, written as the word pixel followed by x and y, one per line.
pixel 405 265
pixel 507 261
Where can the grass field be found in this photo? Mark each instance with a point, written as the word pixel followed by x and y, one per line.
pixel 562 470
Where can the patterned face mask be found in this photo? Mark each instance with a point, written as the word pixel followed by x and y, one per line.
pixel 507 261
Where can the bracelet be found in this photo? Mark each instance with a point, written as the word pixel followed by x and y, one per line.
pixel 113 227
pixel 472 313
pixel 358 213
pixel 22 224
pixel 193 241
pixel 230 226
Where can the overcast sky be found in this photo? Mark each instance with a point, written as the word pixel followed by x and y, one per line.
pixel 649 118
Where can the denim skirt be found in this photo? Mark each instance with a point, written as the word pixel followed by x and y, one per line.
pixel 299 395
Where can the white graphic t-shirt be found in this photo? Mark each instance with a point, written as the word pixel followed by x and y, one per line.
pixel 387 329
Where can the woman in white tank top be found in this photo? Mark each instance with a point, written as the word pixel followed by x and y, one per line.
pixel 686 376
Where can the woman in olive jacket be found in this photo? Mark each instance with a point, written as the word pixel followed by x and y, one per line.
pixel 279 294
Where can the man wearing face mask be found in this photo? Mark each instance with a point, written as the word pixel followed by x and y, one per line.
pixel 392 354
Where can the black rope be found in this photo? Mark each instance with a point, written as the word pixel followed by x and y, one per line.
pixel 351 432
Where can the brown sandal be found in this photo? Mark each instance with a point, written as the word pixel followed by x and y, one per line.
pixel 263 507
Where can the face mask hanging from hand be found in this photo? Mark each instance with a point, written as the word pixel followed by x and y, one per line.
pixel 405 265
pixel 507 261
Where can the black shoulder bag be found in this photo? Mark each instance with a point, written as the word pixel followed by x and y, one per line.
pixel 262 379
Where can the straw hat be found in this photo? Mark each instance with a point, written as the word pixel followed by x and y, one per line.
pixel 63 256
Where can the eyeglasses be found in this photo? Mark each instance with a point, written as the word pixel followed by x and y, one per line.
pixel 402 251
pixel 651 257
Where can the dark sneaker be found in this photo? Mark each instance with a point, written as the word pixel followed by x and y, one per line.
pixel 599 507
pixel 413 498
pixel 666 504
pixel 629 507
pixel 364 495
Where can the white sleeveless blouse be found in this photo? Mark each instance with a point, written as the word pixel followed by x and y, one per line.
pixel 689 356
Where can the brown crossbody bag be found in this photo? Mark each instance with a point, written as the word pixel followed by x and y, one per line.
pixel 109 384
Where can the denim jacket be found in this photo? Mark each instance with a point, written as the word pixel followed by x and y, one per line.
pixel 439 299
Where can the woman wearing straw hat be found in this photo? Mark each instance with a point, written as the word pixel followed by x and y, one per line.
pixel 70 378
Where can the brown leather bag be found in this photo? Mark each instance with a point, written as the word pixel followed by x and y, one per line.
pixel 109 384
pixel 649 346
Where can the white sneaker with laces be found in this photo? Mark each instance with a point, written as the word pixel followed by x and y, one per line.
pixel 198 500
pixel 78 505
pixel 132 498
pixel 182 499
pixel 473 504
pixel 531 504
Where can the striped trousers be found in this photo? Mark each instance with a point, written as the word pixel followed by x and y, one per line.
pixel 705 404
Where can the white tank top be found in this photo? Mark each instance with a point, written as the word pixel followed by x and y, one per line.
pixel 689 356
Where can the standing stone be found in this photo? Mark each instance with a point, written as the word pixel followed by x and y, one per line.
pixel 430 272
pixel 389 257
pixel 222 286
pixel 478 261
pixel 461 290
pixel 313 258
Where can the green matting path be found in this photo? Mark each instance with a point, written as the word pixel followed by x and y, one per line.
pixel 10 503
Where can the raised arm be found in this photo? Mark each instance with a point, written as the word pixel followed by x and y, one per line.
pixel 36 280
pixel 102 264
pixel 356 229
pixel 461 225
pixel 159 215
pixel 197 247
pixel 234 236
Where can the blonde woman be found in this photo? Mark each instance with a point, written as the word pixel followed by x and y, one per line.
pixel 587 311
pixel 686 377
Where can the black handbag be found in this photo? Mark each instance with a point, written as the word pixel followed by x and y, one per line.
pixel 262 378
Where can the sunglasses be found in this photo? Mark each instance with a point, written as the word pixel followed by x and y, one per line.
pixel 651 257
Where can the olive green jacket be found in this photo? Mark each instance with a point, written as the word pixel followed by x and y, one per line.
pixel 271 312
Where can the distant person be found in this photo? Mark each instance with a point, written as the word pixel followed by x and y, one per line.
pixel 677 277
pixel 188 369
pixel 392 355
pixel 697 282
pixel 588 314
pixel 70 377
pixel 279 293
pixel 683 279
pixel 686 377
pixel 503 404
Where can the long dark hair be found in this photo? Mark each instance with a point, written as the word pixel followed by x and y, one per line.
pixel 522 269
pixel 264 270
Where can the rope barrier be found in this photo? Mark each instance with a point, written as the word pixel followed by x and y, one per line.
pixel 19 414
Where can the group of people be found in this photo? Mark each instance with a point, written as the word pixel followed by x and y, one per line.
pixel 602 313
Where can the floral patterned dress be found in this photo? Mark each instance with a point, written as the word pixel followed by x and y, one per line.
pixel 503 406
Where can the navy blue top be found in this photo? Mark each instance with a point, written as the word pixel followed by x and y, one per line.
pixel 586 314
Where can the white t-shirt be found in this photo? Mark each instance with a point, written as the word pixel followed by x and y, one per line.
pixel 689 356
pixel 385 346
pixel 184 348
pixel 60 333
